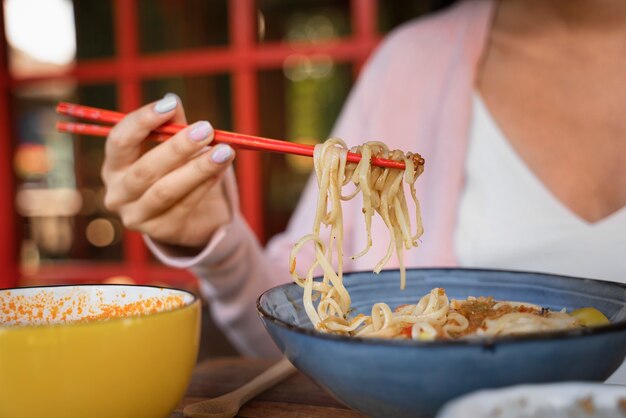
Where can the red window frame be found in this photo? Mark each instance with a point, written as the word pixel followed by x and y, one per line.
pixel 8 216
pixel 242 59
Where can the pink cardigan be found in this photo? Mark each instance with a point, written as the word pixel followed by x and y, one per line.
pixel 414 94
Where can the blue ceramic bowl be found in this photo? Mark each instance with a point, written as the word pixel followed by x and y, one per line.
pixel 388 378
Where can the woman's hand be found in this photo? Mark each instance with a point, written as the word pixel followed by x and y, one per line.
pixel 173 193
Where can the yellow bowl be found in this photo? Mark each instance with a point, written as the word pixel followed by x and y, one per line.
pixel 95 351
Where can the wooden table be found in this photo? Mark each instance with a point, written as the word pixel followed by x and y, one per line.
pixel 296 397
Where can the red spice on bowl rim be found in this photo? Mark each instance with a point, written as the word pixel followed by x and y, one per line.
pixel 49 307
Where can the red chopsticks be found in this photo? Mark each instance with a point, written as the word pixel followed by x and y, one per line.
pixel 163 132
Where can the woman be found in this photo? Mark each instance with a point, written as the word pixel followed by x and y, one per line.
pixel 518 108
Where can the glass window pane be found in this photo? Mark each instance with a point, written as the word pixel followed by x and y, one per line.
pixel 166 25
pixel 59 191
pixel 394 13
pixel 301 109
pixel 303 21
pixel 94 29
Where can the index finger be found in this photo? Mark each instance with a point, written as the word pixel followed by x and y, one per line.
pixel 123 146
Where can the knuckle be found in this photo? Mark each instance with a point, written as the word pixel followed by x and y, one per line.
pixel 163 194
pixel 204 166
pixel 178 146
pixel 131 221
pixel 110 203
pixel 145 118
pixel 108 174
pixel 129 224
pixel 116 139
pixel 139 173
pixel 105 173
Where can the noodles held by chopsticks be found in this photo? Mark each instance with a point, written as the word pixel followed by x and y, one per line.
pixel 434 316
pixel 383 193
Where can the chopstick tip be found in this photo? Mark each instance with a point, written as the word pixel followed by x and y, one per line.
pixel 64 108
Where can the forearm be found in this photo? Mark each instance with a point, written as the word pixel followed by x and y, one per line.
pixel 233 286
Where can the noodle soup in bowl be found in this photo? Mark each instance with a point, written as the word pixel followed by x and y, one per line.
pixel 96 350
pixel 407 378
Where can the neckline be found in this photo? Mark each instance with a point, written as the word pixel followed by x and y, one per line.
pixel 481 109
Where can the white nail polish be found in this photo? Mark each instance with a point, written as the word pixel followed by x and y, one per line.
pixel 200 131
pixel 172 95
pixel 166 104
pixel 221 153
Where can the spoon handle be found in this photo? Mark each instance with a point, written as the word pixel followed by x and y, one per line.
pixel 228 404
pixel 264 381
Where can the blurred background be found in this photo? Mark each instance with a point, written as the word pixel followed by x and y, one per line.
pixel 277 68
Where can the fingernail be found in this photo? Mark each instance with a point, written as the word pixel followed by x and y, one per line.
pixel 166 104
pixel 174 95
pixel 200 131
pixel 221 153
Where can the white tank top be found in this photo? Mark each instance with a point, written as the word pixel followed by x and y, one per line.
pixel 508 219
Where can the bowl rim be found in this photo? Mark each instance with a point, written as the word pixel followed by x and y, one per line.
pixel 8 328
pixel 485 342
